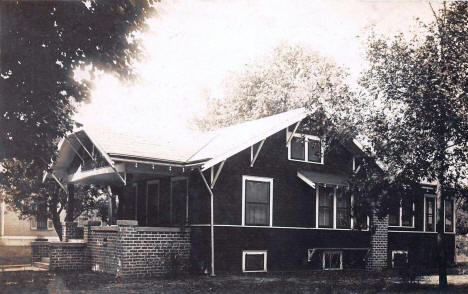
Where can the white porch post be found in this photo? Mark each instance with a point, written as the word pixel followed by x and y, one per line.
pixel 211 222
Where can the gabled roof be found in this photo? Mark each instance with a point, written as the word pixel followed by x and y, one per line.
pixel 206 149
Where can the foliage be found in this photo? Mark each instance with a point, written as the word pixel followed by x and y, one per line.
pixel 25 192
pixel 43 42
pixel 420 132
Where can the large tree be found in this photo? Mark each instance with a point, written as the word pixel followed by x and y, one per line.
pixel 420 132
pixel 42 44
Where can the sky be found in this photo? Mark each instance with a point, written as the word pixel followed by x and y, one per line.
pixel 193 47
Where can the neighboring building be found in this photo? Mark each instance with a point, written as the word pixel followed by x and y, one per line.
pixel 21 232
pixel 258 196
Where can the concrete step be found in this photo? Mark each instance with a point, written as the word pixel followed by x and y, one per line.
pixel 45 259
pixel 43 265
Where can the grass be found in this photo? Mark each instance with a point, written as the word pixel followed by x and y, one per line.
pixel 302 282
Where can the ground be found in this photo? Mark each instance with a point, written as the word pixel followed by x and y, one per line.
pixel 309 282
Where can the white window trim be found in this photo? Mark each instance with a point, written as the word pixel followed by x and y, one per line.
pixel 332 252
pixel 398 252
pixel 306 151
pixel 400 218
pixel 152 182
pixel 257 179
pixel 175 179
pixel 255 252
pixel 434 214
pixel 317 206
pixel 454 217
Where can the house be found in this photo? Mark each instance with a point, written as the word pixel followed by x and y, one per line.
pixel 254 197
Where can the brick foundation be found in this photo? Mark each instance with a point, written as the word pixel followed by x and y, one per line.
pixel 127 250
pixel 39 249
pixel 377 258
pixel 68 256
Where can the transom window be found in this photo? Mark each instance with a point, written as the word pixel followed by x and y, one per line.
pixel 402 215
pixel 306 148
pixel 449 214
pixel 332 260
pixel 430 213
pixel 257 200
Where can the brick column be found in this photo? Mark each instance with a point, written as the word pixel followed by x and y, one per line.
pixel 377 258
pixel 127 241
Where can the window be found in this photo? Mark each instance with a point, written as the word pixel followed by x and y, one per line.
pixel 399 258
pixel 257 200
pixel 332 260
pixel 306 148
pixel 402 216
pixel 325 211
pixel 343 210
pixel 254 261
pixel 40 220
pixel 449 216
pixel 152 202
pixel 179 196
pixel 429 213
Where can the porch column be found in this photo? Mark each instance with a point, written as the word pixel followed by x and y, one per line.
pixel 378 255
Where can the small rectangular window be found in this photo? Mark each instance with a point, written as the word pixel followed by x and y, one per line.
pixel 326 207
pixel 449 216
pixel 297 148
pixel 332 260
pixel 254 261
pixel 399 258
pixel 257 201
pixel 314 150
pixel 430 214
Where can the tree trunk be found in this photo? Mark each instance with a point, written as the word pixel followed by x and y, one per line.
pixel 442 260
pixel 54 213
pixel 70 203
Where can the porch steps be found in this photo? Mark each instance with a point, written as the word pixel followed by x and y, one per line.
pixel 44 263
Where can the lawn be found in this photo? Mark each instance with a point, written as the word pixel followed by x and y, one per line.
pixel 306 282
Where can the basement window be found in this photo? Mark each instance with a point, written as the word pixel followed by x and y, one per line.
pixel 332 260
pixel 254 261
pixel 399 258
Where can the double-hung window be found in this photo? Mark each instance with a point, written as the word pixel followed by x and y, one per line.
pixel 343 210
pixel 257 198
pixel 402 215
pixel 430 213
pixel 325 207
pixel 333 208
pixel 306 148
pixel 449 216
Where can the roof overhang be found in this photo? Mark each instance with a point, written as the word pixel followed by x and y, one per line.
pixel 313 178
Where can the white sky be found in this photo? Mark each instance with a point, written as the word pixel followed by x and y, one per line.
pixel 194 45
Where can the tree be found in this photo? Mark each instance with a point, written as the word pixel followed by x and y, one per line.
pixel 292 76
pixel 24 191
pixel 42 44
pixel 421 131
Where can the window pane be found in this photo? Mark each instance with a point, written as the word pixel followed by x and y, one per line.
pixel 257 203
pixel 326 207
pixel 254 262
pixel 448 216
pixel 153 204
pixel 256 191
pixel 407 213
pixel 314 150
pixel 179 197
pixel 343 211
pixel 430 208
pixel 297 148
pixel 332 260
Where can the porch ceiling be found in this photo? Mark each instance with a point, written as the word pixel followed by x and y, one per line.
pixel 313 178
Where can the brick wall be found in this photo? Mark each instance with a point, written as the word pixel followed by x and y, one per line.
pixel 127 250
pixel 39 249
pixel 70 230
pixel 68 256
pixel 377 258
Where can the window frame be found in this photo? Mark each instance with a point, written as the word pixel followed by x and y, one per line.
pixel 400 217
pixel 306 148
pixel 152 182
pixel 340 252
pixel 255 252
pixel 257 179
pixel 454 218
pixel 334 217
pixel 434 216
pixel 398 252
